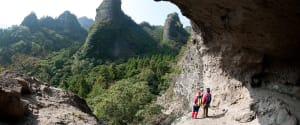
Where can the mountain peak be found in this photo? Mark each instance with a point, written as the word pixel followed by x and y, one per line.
pixel 67 23
pixel 173 16
pixel 31 21
pixel 110 22
pixel 109 10
pixel 85 22
pixel 67 12
pixel 67 15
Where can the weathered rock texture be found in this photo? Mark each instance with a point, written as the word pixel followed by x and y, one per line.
pixel 174 31
pixel 109 10
pixel 28 101
pixel 248 53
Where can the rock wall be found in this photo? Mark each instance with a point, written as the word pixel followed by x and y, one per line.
pixel 26 100
pixel 247 53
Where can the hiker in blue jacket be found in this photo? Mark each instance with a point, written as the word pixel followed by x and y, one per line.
pixel 206 102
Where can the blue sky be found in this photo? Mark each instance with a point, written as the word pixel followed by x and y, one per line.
pixel 13 11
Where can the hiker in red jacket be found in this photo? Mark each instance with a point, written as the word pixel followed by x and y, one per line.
pixel 197 103
pixel 206 102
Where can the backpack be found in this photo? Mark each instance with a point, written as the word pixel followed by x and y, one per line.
pixel 208 99
pixel 199 101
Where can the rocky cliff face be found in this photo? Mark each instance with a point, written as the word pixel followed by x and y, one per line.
pixel 109 10
pixel 247 53
pixel 174 31
pixel 26 100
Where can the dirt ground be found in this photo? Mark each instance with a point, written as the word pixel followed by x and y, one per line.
pixel 216 117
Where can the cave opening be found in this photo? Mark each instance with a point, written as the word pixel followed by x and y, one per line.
pixel 267 71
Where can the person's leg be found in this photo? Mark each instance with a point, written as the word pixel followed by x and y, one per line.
pixel 196 113
pixel 206 108
pixel 193 113
pixel 204 111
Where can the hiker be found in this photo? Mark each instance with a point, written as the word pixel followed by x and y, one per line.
pixel 206 102
pixel 197 103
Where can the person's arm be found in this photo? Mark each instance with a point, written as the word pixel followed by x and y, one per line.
pixel 204 98
pixel 195 100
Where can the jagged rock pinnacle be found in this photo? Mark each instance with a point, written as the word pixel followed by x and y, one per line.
pixel 31 21
pixel 102 42
pixel 108 10
pixel 173 29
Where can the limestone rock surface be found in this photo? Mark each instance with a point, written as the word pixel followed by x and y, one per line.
pixel 26 100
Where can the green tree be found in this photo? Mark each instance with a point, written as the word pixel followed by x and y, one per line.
pixel 83 88
pixel 122 101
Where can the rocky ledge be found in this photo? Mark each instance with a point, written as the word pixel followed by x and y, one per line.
pixel 28 101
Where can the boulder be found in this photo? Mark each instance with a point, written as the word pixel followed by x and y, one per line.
pixel 27 100
pixel 246 117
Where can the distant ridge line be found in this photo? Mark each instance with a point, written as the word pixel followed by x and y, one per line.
pixel 4 26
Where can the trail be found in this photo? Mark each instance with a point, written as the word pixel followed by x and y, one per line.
pixel 216 117
pixel 225 114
